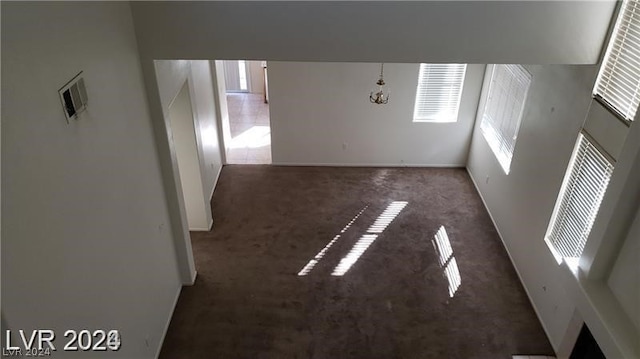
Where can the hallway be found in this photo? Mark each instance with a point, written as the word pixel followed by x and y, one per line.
pixel 308 262
pixel 250 129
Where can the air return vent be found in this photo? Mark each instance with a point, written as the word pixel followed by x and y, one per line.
pixel 74 97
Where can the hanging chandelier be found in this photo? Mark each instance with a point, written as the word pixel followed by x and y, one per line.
pixel 380 95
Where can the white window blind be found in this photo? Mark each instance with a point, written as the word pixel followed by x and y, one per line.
pixel 439 91
pixel 618 82
pixel 577 205
pixel 503 110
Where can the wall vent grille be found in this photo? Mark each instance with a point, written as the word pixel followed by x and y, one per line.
pixel 74 97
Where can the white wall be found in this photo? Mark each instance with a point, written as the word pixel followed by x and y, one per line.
pixel 222 110
pixel 391 31
pixel 521 203
pixel 606 280
pixel 209 148
pixel 86 238
pixel 171 75
pixel 256 76
pixel 184 139
pixel 608 131
pixel 624 280
pixel 321 115
pixel 232 76
pixel 163 80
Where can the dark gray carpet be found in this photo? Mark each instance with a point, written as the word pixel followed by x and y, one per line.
pixel 393 302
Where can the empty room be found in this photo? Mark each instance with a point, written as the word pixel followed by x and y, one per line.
pixel 433 179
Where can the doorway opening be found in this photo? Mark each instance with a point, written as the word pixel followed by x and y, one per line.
pixel 249 125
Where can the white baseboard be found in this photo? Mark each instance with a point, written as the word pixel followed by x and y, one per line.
pixel 215 183
pixel 504 244
pixel 195 276
pixel 213 189
pixel 166 326
pixel 198 229
pixel 373 165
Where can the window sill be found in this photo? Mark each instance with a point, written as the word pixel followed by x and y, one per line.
pixel 434 121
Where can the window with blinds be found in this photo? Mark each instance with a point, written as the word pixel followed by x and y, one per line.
pixel 618 83
pixel 439 91
pixel 577 205
pixel 503 110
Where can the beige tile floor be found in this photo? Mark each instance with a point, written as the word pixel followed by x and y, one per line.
pixel 250 129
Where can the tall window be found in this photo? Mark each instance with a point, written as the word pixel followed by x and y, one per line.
pixel 589 172
pixel 618 84
pixel 577 205
pixel 439 92
pixel 503 110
